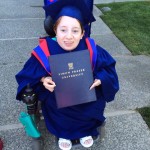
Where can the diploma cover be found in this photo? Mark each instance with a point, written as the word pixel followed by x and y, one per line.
pixel 73 76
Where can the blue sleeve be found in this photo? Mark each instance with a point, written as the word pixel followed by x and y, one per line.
pixel 31 73
pixel 106 72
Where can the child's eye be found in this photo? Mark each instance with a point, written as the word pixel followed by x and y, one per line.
pixel 63 30
pixel 75 31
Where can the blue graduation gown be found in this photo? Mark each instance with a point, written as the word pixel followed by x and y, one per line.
pixel 75 121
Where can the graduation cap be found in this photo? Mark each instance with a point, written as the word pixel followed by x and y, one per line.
pixel 72 8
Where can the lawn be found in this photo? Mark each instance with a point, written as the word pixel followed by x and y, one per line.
pixel 145 112
pixel 130 22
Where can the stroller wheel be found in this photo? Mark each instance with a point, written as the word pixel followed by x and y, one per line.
pixel 37 144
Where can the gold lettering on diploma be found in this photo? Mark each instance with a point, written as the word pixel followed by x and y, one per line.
pixel 72 73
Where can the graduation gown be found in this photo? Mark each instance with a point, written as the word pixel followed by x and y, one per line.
pixel 75 121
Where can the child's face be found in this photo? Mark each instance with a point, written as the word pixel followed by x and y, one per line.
pixel 68 33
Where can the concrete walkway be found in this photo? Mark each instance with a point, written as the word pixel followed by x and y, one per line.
pixel 111 1
pixel 21 24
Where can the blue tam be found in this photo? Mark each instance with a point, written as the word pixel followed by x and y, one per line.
pixel 70 11
pixel 73 8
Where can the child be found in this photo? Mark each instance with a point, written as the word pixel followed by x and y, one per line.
pixel 79 121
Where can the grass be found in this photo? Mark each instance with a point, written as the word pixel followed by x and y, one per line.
pixel 145 112
pixel 130 22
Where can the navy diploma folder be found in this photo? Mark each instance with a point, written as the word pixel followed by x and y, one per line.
pixel 73 76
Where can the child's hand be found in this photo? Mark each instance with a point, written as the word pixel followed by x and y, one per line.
pixel 48 83
pixel 97 82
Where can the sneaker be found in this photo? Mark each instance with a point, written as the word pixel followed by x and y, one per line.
pixel 64 144
pixel 86 141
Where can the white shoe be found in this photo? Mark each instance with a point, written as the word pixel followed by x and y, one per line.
pixel 64 144
pixel 86 141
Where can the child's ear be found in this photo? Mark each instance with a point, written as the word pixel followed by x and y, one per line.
pixel 82 34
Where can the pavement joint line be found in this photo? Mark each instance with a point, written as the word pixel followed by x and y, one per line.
pixel 11 127
pixel 125 55
pixel 11 39
pixel 119 113
pixel 102 34
pixel 108 114
pixel 14 19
